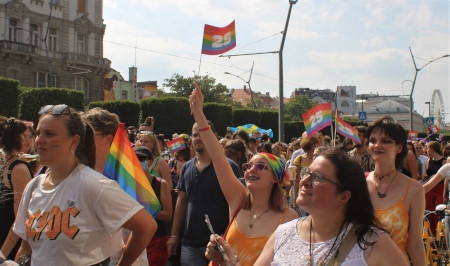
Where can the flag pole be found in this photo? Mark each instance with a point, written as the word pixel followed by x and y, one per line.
pixel 333 139
pixel 199 65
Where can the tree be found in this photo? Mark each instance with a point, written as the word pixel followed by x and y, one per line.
pixel 294 109
pixel 182 87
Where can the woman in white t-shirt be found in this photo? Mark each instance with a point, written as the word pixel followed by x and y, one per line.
pixel 71 215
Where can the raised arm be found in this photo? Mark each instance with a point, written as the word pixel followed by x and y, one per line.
pixel 232 189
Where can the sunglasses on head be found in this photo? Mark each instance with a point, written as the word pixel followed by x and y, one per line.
pixel 54 109
pixel 146 133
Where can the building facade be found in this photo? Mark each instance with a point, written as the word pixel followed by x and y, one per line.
pixel 54 43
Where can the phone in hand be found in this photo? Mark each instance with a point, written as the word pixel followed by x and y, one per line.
pixel 218 246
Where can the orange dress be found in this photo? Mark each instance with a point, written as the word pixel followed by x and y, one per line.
pixel 396 219
pixel 247 248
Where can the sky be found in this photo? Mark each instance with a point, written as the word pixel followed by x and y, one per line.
pixel 329 43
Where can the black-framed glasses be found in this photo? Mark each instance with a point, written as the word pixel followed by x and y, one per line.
pixel 54 109
pixel 316 178
pixel 257 166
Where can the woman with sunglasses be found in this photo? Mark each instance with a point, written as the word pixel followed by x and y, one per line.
pixel 256 209
pixel 341 228
pixel 399 201
pixel 72 214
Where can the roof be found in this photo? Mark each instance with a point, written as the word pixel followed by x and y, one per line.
pixel 388 106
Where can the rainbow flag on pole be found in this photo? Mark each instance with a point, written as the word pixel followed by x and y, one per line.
pixel 346 130
pixel 123 166
pixel 176 145
pixel 218 40
pixel 317 118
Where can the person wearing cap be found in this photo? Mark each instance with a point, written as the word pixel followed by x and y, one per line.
pixel 157 248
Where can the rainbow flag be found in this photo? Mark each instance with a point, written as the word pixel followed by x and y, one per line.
pixel 317 118
pixel 346 130
pixel 432 129
pixel 123 166
pixel 218 40
pixel 412 134
pixel 176 145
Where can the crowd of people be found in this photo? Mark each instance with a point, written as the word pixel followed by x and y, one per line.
pixel 309 202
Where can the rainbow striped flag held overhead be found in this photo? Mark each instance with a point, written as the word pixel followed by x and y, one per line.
pixel 317 118
pixel 123 166
pixel 218 40
pixel 176 145
pixel 346 130
pixel 413 134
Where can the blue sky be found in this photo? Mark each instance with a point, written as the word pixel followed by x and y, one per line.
pixel 329 43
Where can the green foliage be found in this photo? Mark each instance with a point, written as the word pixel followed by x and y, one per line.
pixel 294 109
pixel 182 87
pixel 269 120
pixel 246 116
pixel 128 111
pixel 33 99
pixel 172 114
pixel 293 130
pixel 10 100
pixel 219 115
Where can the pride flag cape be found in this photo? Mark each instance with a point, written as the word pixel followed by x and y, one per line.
pixel 218 40
pixel 123 166
pixel 176 145
pixel 249 128
pixel 346 130
pixel 317 118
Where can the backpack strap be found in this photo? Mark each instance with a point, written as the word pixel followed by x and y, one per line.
pixel 345 247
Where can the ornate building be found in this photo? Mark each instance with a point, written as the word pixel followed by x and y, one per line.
pixel 54 43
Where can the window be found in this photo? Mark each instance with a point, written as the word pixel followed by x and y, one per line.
pixel 82 84
pixel 81 44
pixel 53 40
pixel 124 95
pixel 13 30
pixel 34 35
pixel 41 79
pixel 55 2
pixel 345 104
pixel 81 6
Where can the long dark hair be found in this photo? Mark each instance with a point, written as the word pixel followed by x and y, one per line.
pixel 11 131
pixel 359 209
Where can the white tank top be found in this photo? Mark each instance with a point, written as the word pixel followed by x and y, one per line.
pixel 290 249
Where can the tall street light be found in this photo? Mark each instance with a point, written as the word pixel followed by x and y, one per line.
pixel 248 83
pixel 411 108
pixel 280 86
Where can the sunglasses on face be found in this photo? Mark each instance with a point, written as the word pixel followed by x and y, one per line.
pixel 54 109
pixel 316 178
pixel 259 167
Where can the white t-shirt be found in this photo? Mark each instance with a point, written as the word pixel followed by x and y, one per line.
pixel 77 222
pixel 444 171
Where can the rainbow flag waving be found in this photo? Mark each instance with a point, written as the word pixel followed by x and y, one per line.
pixel 176 145
pixel 317 118
pixel 218 40
pixel 123 166
pixel 346 130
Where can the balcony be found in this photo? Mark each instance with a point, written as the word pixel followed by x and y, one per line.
pixel 17 47
pixel 75 58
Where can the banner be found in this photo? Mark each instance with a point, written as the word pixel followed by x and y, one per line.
pixel 346 130
pixel 218 40
pixel 317 118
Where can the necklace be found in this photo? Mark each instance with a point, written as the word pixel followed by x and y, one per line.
pixel 2 168
pixel 253 217
pixel 333 246
pixel 384 195
pixel 379 177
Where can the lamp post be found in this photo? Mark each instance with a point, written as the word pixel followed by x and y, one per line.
pixel 429 108
pixel 280 86
pixel 49 63
pixel 411 108
pixel 248 83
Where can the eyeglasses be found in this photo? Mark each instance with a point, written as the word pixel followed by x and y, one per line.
pixel 54 109
pixel 316 178
pixel 259 167
pixel 149 133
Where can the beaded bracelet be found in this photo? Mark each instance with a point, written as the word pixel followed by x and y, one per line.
pixel 204 129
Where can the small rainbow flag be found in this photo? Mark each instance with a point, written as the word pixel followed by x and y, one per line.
pixel 123 166
pixel 412 134
pixel 176 145
pixel 218 40
pixel 346 130
pixel 317 118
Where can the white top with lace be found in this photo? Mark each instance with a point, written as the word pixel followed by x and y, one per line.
pixel 290 249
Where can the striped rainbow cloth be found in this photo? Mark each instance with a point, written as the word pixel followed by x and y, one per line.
pixel 317 118
pixel 218 40
pixel 346 130
pixel 123 166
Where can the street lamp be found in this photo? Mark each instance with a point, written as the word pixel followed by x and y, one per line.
pixel 44 41
pixel 280 86
pixel 429 109
pixel 411 108
pixel 248 83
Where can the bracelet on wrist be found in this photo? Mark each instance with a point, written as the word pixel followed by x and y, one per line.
pixel 204 129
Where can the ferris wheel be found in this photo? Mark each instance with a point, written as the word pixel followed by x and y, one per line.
pixel 437 108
